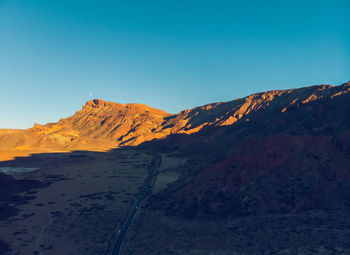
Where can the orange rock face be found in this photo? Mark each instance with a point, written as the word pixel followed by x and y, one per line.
pixel 99 125
pixel 102 125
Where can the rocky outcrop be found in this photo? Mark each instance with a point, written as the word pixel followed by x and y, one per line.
pixel 102 125
pixel 99 125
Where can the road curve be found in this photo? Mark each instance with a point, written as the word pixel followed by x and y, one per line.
pixel 123 231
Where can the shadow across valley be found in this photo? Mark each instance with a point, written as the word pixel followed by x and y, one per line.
pixel 270 163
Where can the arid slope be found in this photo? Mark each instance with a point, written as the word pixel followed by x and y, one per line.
pixel 102 125
pixel 288 154
pixel 268 173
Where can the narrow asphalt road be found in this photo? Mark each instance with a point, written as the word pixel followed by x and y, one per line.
pixel 123 231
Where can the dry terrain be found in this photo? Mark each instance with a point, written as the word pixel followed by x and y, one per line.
pixel 86 199
pixel 264 174
pixel 306 232
pixel 312 232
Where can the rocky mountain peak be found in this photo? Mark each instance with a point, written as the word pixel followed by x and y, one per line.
pixel 99 103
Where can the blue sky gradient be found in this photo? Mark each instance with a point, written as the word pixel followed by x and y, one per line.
pixel 57 54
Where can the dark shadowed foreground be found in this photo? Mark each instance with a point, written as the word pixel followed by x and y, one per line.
pixel 73 204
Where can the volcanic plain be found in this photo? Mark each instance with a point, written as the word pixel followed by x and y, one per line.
pixel 264 174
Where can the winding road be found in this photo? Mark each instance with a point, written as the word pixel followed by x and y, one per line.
pixel 123 231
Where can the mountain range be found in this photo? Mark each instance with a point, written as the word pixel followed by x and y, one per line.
pixel 100 124
pixel 271 152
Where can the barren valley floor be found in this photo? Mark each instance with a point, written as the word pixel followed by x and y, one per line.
pixel 87 198
pixel 88 195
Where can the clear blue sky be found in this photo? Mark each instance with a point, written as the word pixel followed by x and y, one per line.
pixel 169 54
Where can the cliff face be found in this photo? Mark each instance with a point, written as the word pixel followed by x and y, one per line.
pixel 102 125
pixel 99 125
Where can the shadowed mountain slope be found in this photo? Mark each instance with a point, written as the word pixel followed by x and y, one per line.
pixel 276 151
pixel 288 154
pixel 102 125
pixel 268 173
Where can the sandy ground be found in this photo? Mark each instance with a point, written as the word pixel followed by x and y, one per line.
pixel 10 155
pixel 79 212
pixel 168 172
